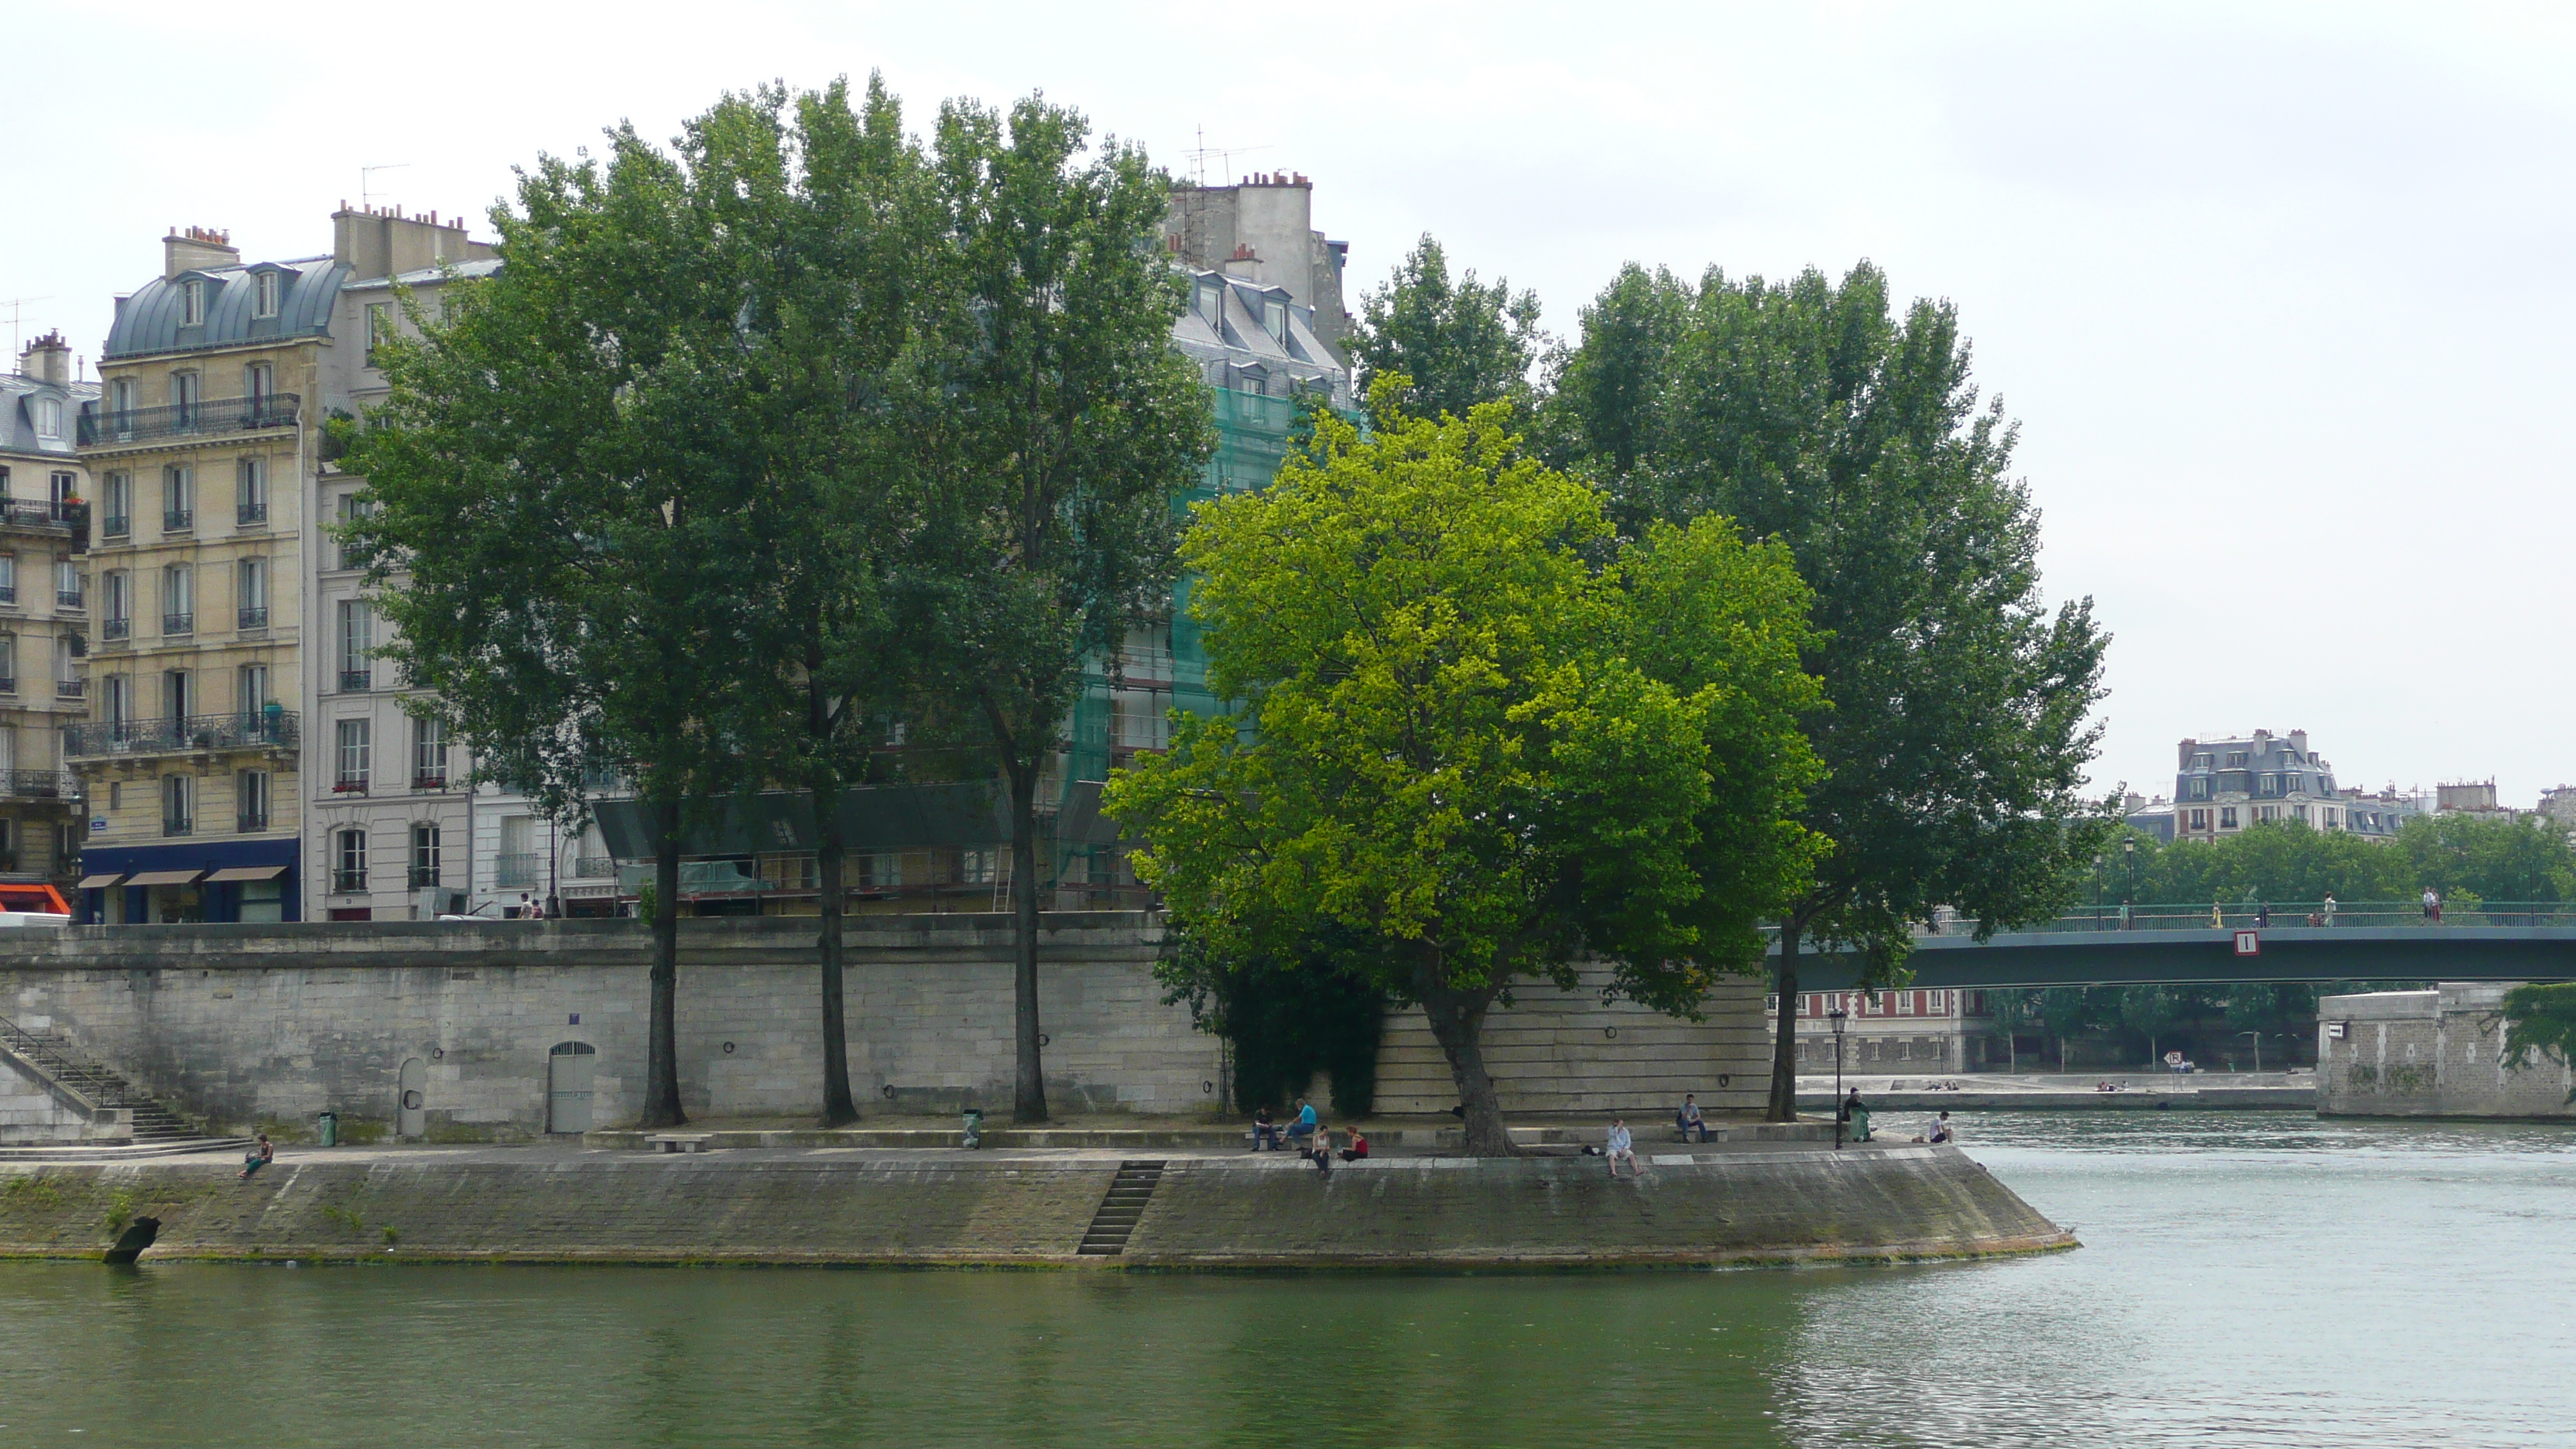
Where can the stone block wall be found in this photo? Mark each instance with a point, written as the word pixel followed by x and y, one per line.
pixel 2436 1053
pixel 1569 1052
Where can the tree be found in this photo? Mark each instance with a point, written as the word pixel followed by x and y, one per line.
pixel 1960 727
pixel 2540 1020
pixel 1458 342
pixel 1466 743
pixel 2520 859
pixel 1606 404
pixel 563 494
pixel 1069 428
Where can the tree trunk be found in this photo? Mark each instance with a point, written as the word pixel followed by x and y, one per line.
pixel 1028 1099
pixel 662 1045
pixel 1458 1023
pixel 839 1109
pixel 1784 1043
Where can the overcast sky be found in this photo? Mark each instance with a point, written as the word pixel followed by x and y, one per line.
pixel 2279 294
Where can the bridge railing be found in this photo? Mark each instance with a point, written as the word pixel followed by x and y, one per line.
pixel 2238 916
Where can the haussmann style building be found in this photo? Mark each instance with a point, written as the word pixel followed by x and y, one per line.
pixel 44 598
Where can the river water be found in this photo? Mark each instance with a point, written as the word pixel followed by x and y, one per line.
pixel 2247 1279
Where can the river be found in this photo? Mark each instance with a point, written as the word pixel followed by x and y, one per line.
pixel 2247 1279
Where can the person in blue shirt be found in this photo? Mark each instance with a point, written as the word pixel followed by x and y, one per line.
pixel 1302 1131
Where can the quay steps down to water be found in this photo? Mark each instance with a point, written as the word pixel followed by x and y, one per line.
pixel 1129 1191
pixel 156 1129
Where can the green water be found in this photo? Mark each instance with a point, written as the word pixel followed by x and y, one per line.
pixel 2247 1279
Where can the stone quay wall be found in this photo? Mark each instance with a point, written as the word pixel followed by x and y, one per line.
pixel 964 1208
pixel 2437 1053
pixel 250 1026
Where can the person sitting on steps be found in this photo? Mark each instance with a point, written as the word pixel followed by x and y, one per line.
pixel 1358 1148
pixel 1302 1130
pixel 1619 1145
pixel 259 1156
pixel 1321 1154
pixel 1689 1118
pixel 1265 1134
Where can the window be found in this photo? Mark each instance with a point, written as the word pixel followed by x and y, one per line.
pixel 183 393
pixel 424 856
pixel 380 327
pixel 516 865
pixel 178 801
pixel 250 795
pixel 8 577
pixel 49 417
pixel 355 743
pixel 250 492
pixel 176 696
pixel 1274 318
pixel 119 514
pixel 428 754
pixel 69 592
pixel 350 852
pixel 357 645
pixel 352 508
pixel 2199 820
pixel 1212 302
pixel 264 297
pixel 65 493
pixel 192 305
pixel 8 663
pixel 250 591
pixel 115 795
pixel 2227 817
pixel 118 699
pixel 118 586
pixel 120 395
pixel 178 499
pixel 178 599
pixel 68 683
pixel 250 688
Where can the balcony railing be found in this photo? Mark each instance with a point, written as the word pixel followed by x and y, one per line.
pixel 348 881
pixel 356 681
pixel 518 869
pixel 116 629
pixel 255 820
pixel 178 623
pixel 8 684
pixel 62 517
pixel 253 618
pixel 247 514
pixel 423 876
pixel 428 781
pixel 8 593
pixel 70 688
pixel 101 426
pixel 594 867
pixel 178 520
pixel 175 825
pixel 115 525
pixel 172 736
pixel 39 784
pixel 349 785
pixel 70 599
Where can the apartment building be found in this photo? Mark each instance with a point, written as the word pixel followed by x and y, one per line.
pixel 43 613
pixel 2224 785
pixel 204 443
pixel 387 818
pixel 1897 1031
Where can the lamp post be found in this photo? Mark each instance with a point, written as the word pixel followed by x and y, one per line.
pixel 1838 1016
pixel 2129 901
pixel 2097 893
pixel 2258 1050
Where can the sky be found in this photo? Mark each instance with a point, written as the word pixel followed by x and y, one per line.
pixel 2278 294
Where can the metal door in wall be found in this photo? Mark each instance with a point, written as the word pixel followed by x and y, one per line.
pixel 411 1099
pixel 568 1069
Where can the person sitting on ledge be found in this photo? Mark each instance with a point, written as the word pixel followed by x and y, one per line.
pixel 1619 1145
pixel 1358 1148
pixel 1265 1134
pixel 1302 1131
pixel 1940 1132
pixel 1321 1154
pixel 259 1156
pixel 1689 1118
pixel 1855 1118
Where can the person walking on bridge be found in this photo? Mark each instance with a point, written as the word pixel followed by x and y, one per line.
pixel 2432 905
pixel 2329 910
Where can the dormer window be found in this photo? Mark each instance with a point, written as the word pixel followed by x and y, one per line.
pixel 264 295
pixel 1211 303
pixel 192 303
pixel 49 417
pixel 1274 319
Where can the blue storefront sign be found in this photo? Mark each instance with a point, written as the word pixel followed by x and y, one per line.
pixel 226 876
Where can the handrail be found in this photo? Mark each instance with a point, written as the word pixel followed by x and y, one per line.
pixel 101 425
pixel 2258 914
pixel 199 732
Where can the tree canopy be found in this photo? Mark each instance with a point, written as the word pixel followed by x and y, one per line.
pixel 1457 342
pixel 1464 741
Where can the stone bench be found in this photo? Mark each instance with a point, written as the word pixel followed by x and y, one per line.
pixel 678 1141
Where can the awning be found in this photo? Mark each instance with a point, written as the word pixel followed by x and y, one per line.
pixel 247 872
pixel 163 877
pixel 93 882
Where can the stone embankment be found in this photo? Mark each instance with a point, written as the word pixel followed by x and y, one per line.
pixel 2134 1092
pixel 1781 1203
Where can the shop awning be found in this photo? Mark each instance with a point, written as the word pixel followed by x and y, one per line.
pixel 247 872
pixel 94 882
pixel 163 877
pixel 29 896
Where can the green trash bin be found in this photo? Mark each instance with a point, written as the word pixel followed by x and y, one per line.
pixel 974 1127
pixel 327 1128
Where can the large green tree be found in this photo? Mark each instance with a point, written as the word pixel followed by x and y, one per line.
pixel 1457 342
pixel 1464 742
pixel 1069 427
pixel 1814 415
pixel 564 492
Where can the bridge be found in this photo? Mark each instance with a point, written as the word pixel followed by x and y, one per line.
pixel 2293 942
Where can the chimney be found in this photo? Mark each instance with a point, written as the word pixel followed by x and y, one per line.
pixel 197 249
pixel 2185 752
pixel 2299 742
pixel 48 359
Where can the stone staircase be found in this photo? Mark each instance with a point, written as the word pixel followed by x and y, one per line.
pixel 1111 1226
pixel 156 1127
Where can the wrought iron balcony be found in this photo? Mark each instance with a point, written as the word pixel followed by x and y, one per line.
pixel 349 785
pixel 516 869
pixel 423 875
pixel 176 825
pixel 426 781
pixel 71 688
pixel 594 867
pixel 116 629
pixel 257 820
pixel 115 525
pixel 348 882
pixel 247 514
pixel 178 623
pixel 52 517
pixel 263 730
pixel 8 684
pixel 8 593
pixel 253 618
pixel 356 681
pixel 70 599
pixel 178 520
pixel 103 426
pixel 39 784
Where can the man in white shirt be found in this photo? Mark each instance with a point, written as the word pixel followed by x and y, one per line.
pixel 1620 1145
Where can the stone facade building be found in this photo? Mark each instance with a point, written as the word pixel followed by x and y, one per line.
pixel 2225 785
pixel 43 615
pixel 1896 1031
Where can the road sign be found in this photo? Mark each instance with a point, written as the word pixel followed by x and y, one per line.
pixel 2249 943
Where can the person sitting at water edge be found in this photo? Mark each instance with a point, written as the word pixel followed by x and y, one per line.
pixel 1265 1134
pixel 1940 1131
pixel 1358 1148
pixel 1321 1154
pixel 1689 1117
pixel 1854 1117
pixel 1621 1145
pixel 1304 1127
pixel 259 1156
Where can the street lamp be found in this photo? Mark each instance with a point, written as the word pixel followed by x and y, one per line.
pixel 1838 1016
pixel 2258 1050
pixel 2129 902
pixel 2097 893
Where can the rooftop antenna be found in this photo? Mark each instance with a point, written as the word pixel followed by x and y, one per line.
pixel 15 306
pixel 1225 157
pixel 366 171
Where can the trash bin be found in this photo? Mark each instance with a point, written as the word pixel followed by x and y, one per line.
pixel 327 1128
pixel 974 1127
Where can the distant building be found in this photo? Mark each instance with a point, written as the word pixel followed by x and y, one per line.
pixel 2224 785
pixel 2559 804
pixel 2471 797
pixel 43 613
pixel 1896 1031
pixel 2149 817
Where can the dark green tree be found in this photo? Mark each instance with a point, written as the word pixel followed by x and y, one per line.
pixel 1457 341
pixel 1069 428
pixel 2520 859
pixel 1960 721
pixel 1606 405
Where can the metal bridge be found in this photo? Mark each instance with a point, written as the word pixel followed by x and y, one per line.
pixel 2176 946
